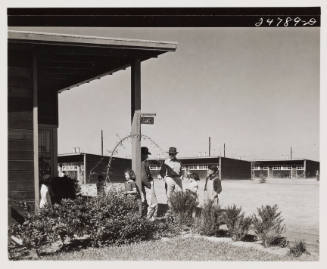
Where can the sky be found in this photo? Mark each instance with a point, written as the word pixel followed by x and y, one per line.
pixel 254 89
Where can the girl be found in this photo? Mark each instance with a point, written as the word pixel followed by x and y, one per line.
pixel 131 188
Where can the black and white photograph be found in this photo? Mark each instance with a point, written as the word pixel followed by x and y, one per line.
pixel 163 134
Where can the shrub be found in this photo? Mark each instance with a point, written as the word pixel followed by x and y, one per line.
pixel 241 228
pixel 63 188
pixel 268 225
pixel 262 178
pixel 183 204
pixel 298 248
pixel 105 220
pixel 210 220
pixel 238 225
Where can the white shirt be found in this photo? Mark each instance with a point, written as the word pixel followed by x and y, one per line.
pixel 174 164
pixel 192 185
pixel 45 196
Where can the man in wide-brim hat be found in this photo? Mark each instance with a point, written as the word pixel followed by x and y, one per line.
pixel 171 171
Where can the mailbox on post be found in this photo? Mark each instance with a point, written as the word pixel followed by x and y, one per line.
pixel 147 118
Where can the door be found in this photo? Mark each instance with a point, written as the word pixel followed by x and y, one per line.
pixel 48 150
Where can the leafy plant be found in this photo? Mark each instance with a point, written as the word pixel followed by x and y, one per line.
pixel 268 225
pixel 262 178
pixel 241 228
pixel 210 220
pixel 107 220
pixel 238 225
pixel 183 205
pixel 298 248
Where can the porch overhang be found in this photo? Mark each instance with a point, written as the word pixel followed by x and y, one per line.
pixel 66 61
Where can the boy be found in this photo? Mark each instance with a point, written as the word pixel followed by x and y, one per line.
pixel 213 184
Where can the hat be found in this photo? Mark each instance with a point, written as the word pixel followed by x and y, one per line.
pixel 172 150
pixel 145 150
pixel 213 168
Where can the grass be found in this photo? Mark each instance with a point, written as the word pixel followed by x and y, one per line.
pixel 177 249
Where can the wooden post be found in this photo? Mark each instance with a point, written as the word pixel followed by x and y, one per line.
pixel 102 143
pixel 224 150
pixel 136 120
pixel 305 168
pixel 84 160
pixel 36 135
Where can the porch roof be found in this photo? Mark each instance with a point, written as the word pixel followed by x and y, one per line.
pixel 66 61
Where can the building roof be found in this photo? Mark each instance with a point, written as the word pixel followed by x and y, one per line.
pixel 67 61
pixel 78 156
pixel 283 161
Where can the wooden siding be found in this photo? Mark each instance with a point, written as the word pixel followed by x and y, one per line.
pixel 235 169
pixel 20 128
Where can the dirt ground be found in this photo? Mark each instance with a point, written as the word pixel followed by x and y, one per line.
pixel 298 200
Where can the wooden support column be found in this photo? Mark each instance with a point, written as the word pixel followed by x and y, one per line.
pixel 136 120
pixel 36 134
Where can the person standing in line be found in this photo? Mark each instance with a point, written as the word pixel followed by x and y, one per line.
pixel 212 185
pixel 150 199
pixel 171 171
pixel 131 188
pixel 45 198
pixel 100 186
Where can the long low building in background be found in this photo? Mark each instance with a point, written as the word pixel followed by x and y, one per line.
pixel 285 168
pixel 86 167
pixel 228 168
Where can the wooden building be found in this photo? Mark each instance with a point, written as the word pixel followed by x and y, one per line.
pixel 229 168
pixel 41 65
pixel 85 167
pixel 285 168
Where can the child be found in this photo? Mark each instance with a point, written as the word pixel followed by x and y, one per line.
pixel 100 186
pixel 131 188
pixel 193 185
pixel 45 198
pixel 212 185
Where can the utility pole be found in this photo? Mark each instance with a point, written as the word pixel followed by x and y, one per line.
pixel 291 153
pixel 224 150
pixel 209 146
pixel 101 142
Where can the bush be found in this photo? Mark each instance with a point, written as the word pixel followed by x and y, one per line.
pixel 210 220
pixel 63 188
pixel 268 225
pixel 238 225
pixel 298 248
pixel 183 204
pixel 112 219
